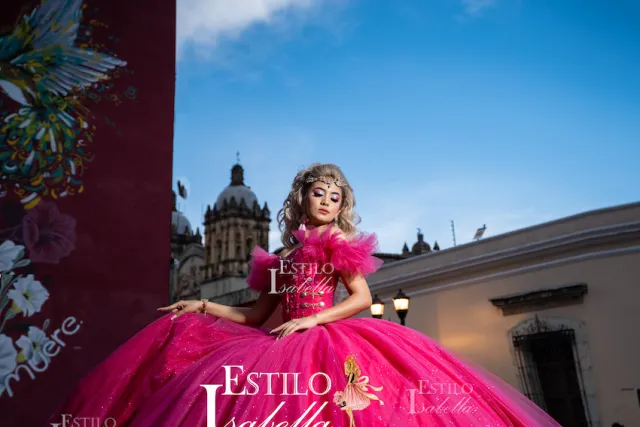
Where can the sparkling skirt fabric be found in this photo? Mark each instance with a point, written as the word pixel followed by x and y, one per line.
pixel 354 372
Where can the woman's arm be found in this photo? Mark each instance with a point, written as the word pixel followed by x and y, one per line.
pixel 258 313
pixel 255 315
pixel 359 300
pixel 359 296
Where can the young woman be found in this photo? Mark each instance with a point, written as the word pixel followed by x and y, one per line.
pixel 208 364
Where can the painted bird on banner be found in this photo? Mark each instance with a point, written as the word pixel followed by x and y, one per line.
pixel 44 69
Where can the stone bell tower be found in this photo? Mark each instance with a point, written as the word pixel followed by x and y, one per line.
pixel 233 227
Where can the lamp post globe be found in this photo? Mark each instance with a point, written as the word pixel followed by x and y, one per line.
pixel 401 304
pixel 377 307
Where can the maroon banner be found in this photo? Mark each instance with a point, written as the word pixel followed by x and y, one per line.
pixel 86 131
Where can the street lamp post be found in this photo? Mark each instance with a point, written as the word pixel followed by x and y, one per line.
pixel 377 307
pixel 401 304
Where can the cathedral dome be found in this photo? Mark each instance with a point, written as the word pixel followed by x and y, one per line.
pixel 181 223
pixel 237 190
pixel 420 246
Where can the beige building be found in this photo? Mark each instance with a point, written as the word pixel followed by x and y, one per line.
pixel 553 309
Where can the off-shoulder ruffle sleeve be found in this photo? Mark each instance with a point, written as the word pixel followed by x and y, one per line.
pixel 355 255
pixel 259 274
pixel 346 255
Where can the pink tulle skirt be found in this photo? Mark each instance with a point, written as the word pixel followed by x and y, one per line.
pixel 201 371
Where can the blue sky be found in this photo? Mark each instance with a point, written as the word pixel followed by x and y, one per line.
pixel 507 113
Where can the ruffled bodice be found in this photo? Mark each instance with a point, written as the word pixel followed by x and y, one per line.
pixel 307 278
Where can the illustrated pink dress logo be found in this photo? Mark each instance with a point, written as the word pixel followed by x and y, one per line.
pixel 356 395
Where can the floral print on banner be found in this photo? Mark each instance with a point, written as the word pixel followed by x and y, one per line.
pixel 48 235
pixel 53 72
pixel 51 69
pixel 20 296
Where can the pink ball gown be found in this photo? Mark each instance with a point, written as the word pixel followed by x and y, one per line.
pixel 199 370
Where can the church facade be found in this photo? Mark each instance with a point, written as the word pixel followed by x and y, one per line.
pixel 216 269
pixel 234 226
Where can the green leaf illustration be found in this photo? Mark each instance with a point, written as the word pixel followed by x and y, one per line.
pixel 22 263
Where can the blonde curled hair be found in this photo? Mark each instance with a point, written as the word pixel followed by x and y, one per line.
pixel 293 209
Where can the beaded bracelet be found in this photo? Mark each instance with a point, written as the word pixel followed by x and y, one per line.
pixel 204 307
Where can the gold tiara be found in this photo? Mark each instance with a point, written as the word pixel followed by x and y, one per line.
pixel 326 179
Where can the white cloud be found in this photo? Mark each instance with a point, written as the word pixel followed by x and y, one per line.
pixel 205 22
pixel 476 7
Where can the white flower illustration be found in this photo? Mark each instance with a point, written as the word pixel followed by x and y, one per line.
pixel 8 356
pixel 28 295
pixel 8 253
pixel 32 344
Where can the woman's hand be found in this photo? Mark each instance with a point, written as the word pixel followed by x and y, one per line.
pixel 183 307
pixel 295 325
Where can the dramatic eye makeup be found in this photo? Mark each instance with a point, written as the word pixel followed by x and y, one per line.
pixel 320 192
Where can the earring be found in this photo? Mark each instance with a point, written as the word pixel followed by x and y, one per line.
pixel 303 223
